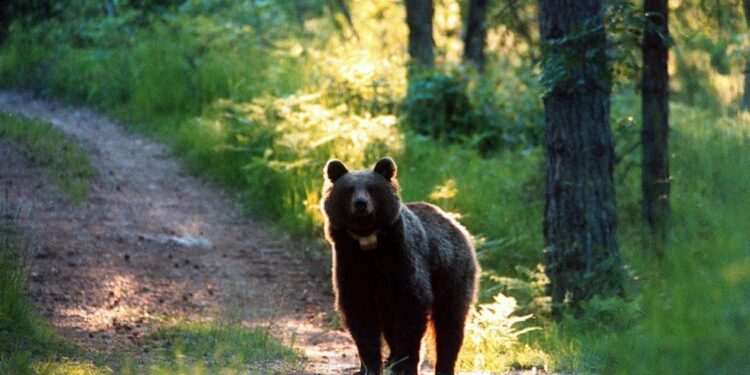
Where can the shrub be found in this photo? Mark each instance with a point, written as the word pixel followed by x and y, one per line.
pixel 490 113
pixel 437 105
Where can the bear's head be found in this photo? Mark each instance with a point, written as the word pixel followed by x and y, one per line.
pixel 362 202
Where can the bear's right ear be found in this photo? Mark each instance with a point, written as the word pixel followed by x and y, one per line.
pixel 386 167
pixel 335 169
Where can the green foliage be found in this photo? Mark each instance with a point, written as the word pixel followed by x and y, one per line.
pixel 507 105
pixel 24 334
pixel 529 288
pixel 67 164
pixel 493 343
pixel 437 105
pixel 178 64
pixel 688 312
pixel 24 60
pixel 481 112
pixel 21 328
pixel 625 25
pixel 216 348
pixel 694 310
pixel 275 150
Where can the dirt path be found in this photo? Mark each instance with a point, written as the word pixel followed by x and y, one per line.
pixel 152 241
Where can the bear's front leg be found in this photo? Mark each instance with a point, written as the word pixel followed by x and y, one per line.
pixel 364 326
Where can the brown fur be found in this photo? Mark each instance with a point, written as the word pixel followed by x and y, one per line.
pixel 394 266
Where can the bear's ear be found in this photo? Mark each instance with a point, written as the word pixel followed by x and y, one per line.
pixel 335 169
pixel 386 167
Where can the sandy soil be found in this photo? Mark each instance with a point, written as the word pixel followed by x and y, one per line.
pixel 152 241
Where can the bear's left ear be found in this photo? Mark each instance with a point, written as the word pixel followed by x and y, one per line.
pixel 386 167
pixel 335 169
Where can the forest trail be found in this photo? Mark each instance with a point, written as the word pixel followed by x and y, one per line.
pixel 152 241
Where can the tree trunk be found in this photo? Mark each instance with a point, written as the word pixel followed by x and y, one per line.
pixel 745 104
pixel 580 218
pixel 476 34
pixel 419 19
pixel 655 131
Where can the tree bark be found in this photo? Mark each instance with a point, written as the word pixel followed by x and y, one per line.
pixel 419 15
pixel 655 179
pixel 745 104
pixel 582 259
pixel 476 34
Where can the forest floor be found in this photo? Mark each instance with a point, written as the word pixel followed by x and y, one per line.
pixel 151 242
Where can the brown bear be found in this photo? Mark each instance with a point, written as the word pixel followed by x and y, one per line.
pixel 396 267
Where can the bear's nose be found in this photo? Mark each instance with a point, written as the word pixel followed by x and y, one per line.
pixel 360 204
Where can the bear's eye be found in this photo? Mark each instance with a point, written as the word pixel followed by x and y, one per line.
pixel 370 190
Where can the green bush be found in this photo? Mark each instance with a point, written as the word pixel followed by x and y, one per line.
pixel 491 113
pixel 437 105
pixel 25 59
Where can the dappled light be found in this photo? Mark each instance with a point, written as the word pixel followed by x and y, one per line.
pixel 447 25
pixel 444 191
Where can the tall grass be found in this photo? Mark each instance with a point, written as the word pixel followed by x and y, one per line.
pixel 688 312
pixel 216 348
pixel 695 309
pixel 24 334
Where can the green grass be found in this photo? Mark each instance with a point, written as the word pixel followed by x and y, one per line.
pixel 689 313
pixel 216 348
pixel 29 344
pixel 697 301
pixel 66 163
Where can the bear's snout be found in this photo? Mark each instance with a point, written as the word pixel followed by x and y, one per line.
pixel 361 204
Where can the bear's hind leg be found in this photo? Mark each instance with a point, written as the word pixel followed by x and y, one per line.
pixel 449 336
pixel 404 337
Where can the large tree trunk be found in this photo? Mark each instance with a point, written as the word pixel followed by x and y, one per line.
pixel 580 218
pixel 745 104
pixel 419 19
pixel 655 131
pixel 476 34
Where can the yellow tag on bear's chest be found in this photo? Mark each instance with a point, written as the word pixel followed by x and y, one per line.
pixel 368 242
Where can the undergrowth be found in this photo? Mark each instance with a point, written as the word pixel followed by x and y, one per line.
pixel 67 165
pixel 215 347
pixel 29 344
